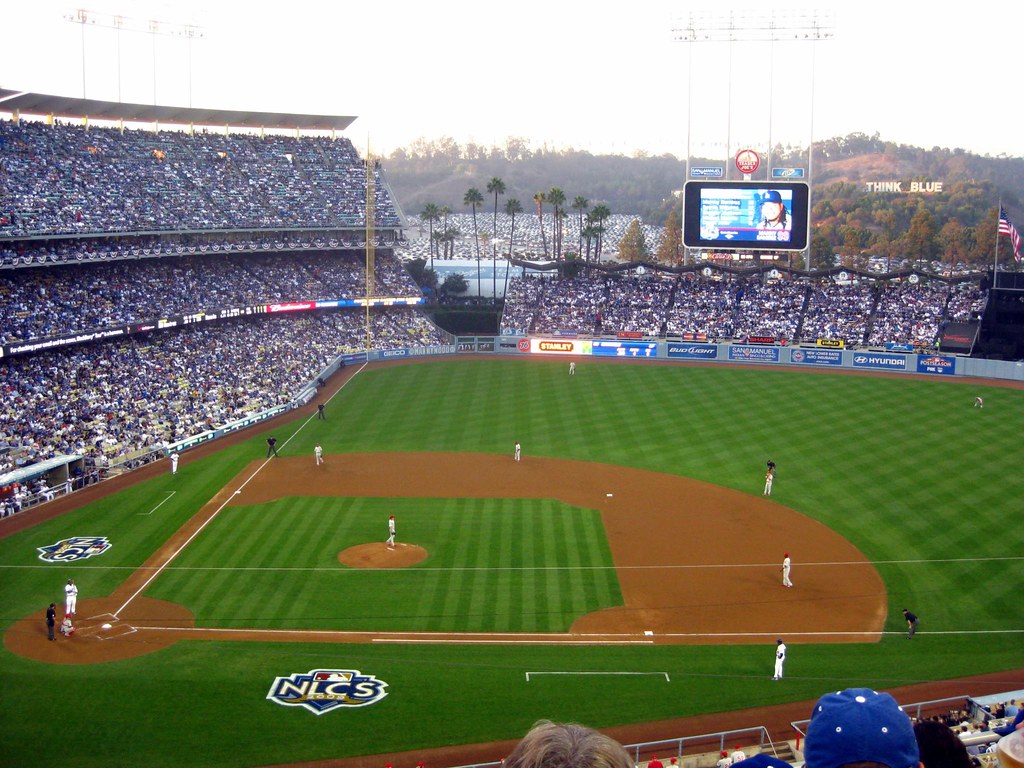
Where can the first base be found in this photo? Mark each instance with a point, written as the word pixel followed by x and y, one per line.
pixel 107 626
pixel 608 495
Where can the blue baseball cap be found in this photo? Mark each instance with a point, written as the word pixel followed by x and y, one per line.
pixel 860 725
pixel 764 760
pixel 771 196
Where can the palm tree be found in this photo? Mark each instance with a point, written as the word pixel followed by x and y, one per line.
pixel 445 210
pixel 557 198
pixel 600 213
pixel 495 187
pixel 589 233
pixel 539 200
pixel 430 215
pixel 512 207
pixel 474 198
pixel 580 204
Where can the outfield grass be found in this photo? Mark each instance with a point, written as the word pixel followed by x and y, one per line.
pixel 925 485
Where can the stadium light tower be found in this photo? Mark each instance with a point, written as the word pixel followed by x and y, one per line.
pixel 120 23
pixel 769 26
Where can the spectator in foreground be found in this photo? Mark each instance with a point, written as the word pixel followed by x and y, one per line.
pixel 859 725
pixel 939 747
pixel 554 745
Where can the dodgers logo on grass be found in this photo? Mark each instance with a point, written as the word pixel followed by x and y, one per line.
pixel 321 690
pixel 75 548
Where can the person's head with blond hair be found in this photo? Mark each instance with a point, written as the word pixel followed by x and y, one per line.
pixel 568 745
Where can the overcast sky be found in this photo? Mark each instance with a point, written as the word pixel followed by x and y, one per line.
pixel 605 77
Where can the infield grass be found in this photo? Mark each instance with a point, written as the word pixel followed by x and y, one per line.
pixel 926 486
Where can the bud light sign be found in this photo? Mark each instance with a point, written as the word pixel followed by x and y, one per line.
pixel 693 351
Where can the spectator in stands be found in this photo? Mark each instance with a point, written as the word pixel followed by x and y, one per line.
pixel 939 747
pixel 1016 724
pixel 554 745
pixel 859 725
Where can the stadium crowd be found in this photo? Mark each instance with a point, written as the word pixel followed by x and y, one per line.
pixel 39 302
pixel 739 307
pixel 128 397
pixel 71 179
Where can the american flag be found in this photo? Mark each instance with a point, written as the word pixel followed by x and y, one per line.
pixel 1006 228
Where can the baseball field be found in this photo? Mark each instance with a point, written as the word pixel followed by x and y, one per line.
pixel 625 571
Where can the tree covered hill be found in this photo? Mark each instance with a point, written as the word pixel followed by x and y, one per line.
pixel 957 223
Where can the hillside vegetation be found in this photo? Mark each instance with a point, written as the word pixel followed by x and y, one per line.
pixel 956 224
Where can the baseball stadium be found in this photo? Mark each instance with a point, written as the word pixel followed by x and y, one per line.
pixel 188 316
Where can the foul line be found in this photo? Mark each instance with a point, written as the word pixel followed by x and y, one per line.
pixel 217 511
pixel 537 674
pixel 154 509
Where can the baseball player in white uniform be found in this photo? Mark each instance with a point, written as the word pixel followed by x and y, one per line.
pixel 780 658
pixel 768 478
pixel 318 453
pixel 519 451
pixel 391 532
pixel 786 564
pixel 174 462
pixel 978 402
pixel 70 598
pixel 572 367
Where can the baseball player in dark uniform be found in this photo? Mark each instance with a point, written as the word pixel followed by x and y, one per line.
pixel 911 623
pixel 271 446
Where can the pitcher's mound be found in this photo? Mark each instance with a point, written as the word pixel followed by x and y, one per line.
pixel 380 555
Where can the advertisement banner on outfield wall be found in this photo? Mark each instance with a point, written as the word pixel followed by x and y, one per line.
pixel 754 354
pixel 940 364
pixel 816 356
pixel 625 348
pixel 556 346
pixel 693 351
pixel 880 361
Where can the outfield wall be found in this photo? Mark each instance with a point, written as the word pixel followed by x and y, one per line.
pixel 799 356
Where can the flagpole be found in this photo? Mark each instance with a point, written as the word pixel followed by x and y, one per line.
pixel 995 267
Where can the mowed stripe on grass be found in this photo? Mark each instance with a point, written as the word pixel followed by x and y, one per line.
pixel 510 565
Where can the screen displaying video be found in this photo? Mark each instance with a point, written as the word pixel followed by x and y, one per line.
pixel 745 215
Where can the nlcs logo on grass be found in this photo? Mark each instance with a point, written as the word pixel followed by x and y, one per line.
pixel 321 690
pixel 75 548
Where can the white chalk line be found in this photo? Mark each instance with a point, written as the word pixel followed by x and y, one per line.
pixel 502 568
pixel 583 674
pixel 217 511
pixel 154 509
pixel 547 637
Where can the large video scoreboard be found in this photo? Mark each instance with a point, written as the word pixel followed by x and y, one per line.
pixel 745 215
